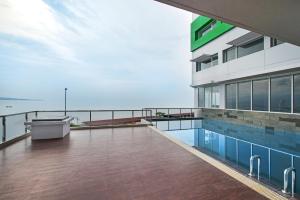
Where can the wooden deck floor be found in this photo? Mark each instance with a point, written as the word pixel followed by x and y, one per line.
pixel 123 163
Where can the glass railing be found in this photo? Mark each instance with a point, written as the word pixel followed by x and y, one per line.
pixel 174 113
pixel 12 126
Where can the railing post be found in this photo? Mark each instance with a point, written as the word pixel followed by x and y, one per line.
pixel 191 118
pixel 132 116
pixel 36 114
pixel 112 117
pixel 90 116
pixel 4 129
pixel 26 120
pixel 179 112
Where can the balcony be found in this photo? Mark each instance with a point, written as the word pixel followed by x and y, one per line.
pixel 109 154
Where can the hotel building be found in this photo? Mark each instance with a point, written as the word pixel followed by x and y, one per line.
pixel 233 68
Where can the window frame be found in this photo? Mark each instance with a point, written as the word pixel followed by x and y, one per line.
pixel 291 93
pixel 248 43
pixel 225 56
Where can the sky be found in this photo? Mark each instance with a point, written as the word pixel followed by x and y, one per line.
pixel 108 53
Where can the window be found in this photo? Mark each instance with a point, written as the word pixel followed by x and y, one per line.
pixel 297 93
pixel 281 94
pixel 212 61
pixel 244 95
pixel 229 54
pixel 274 42
pixel 215 97
pixel 231 96
pixel 200 97
pixel 198 66
pixel 207 97
pixel 260 95
pixel 206 64
pixel 203 31
pixel 250 48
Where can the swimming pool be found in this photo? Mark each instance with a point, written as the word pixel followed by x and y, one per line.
pixel 234 144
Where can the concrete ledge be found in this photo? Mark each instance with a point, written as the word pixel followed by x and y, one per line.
pixel 251 183
pixel 262 119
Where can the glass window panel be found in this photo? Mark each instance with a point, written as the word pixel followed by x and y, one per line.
pixel 244 96
pixel 214 60
pixel 231 96
pixel 205 64
pixel 281 94
pixel 297 93
pixel 260 94
pixel 215 97
pixel 229 54
pixel 207 97
pixel 198 66
pixel 201 97
pixel 275 42
pixel 203 31
pixel 251 47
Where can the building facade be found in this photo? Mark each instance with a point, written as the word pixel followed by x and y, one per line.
pixel 233 68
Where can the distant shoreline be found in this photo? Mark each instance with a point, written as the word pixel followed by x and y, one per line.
pixel 17 99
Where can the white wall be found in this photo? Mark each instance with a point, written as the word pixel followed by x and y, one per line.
pixel 281 57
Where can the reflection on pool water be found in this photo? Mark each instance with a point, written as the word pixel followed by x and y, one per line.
pixel 234 144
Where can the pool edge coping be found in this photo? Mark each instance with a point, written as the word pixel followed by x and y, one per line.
pixel 257 187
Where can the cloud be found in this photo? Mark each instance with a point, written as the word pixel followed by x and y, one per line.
pixel 35 20
pixel 98 49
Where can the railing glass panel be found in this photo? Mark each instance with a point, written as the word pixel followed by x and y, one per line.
pixel 31 116
pixel 186 124
pixel 101 115
pixel 264 160
pixel 15 126
pixel 175 125
pixel 279 162
pixel 297 167
pixel 230 149
pixel 79 117
pixel 1 129
pixel 46 114
pixel 244 153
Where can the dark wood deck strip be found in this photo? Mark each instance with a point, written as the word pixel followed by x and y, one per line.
pixel 125 163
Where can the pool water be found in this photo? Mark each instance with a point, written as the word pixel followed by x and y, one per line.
pixel 234 144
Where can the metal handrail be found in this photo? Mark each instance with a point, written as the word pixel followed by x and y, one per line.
pixel 3 118
pixel 286 180
pixel 252 158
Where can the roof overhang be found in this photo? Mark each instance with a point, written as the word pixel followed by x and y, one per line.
pixel 201 58
pixel 274 18
pixel 245 39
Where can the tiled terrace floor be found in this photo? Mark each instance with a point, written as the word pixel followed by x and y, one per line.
pixel 124 163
